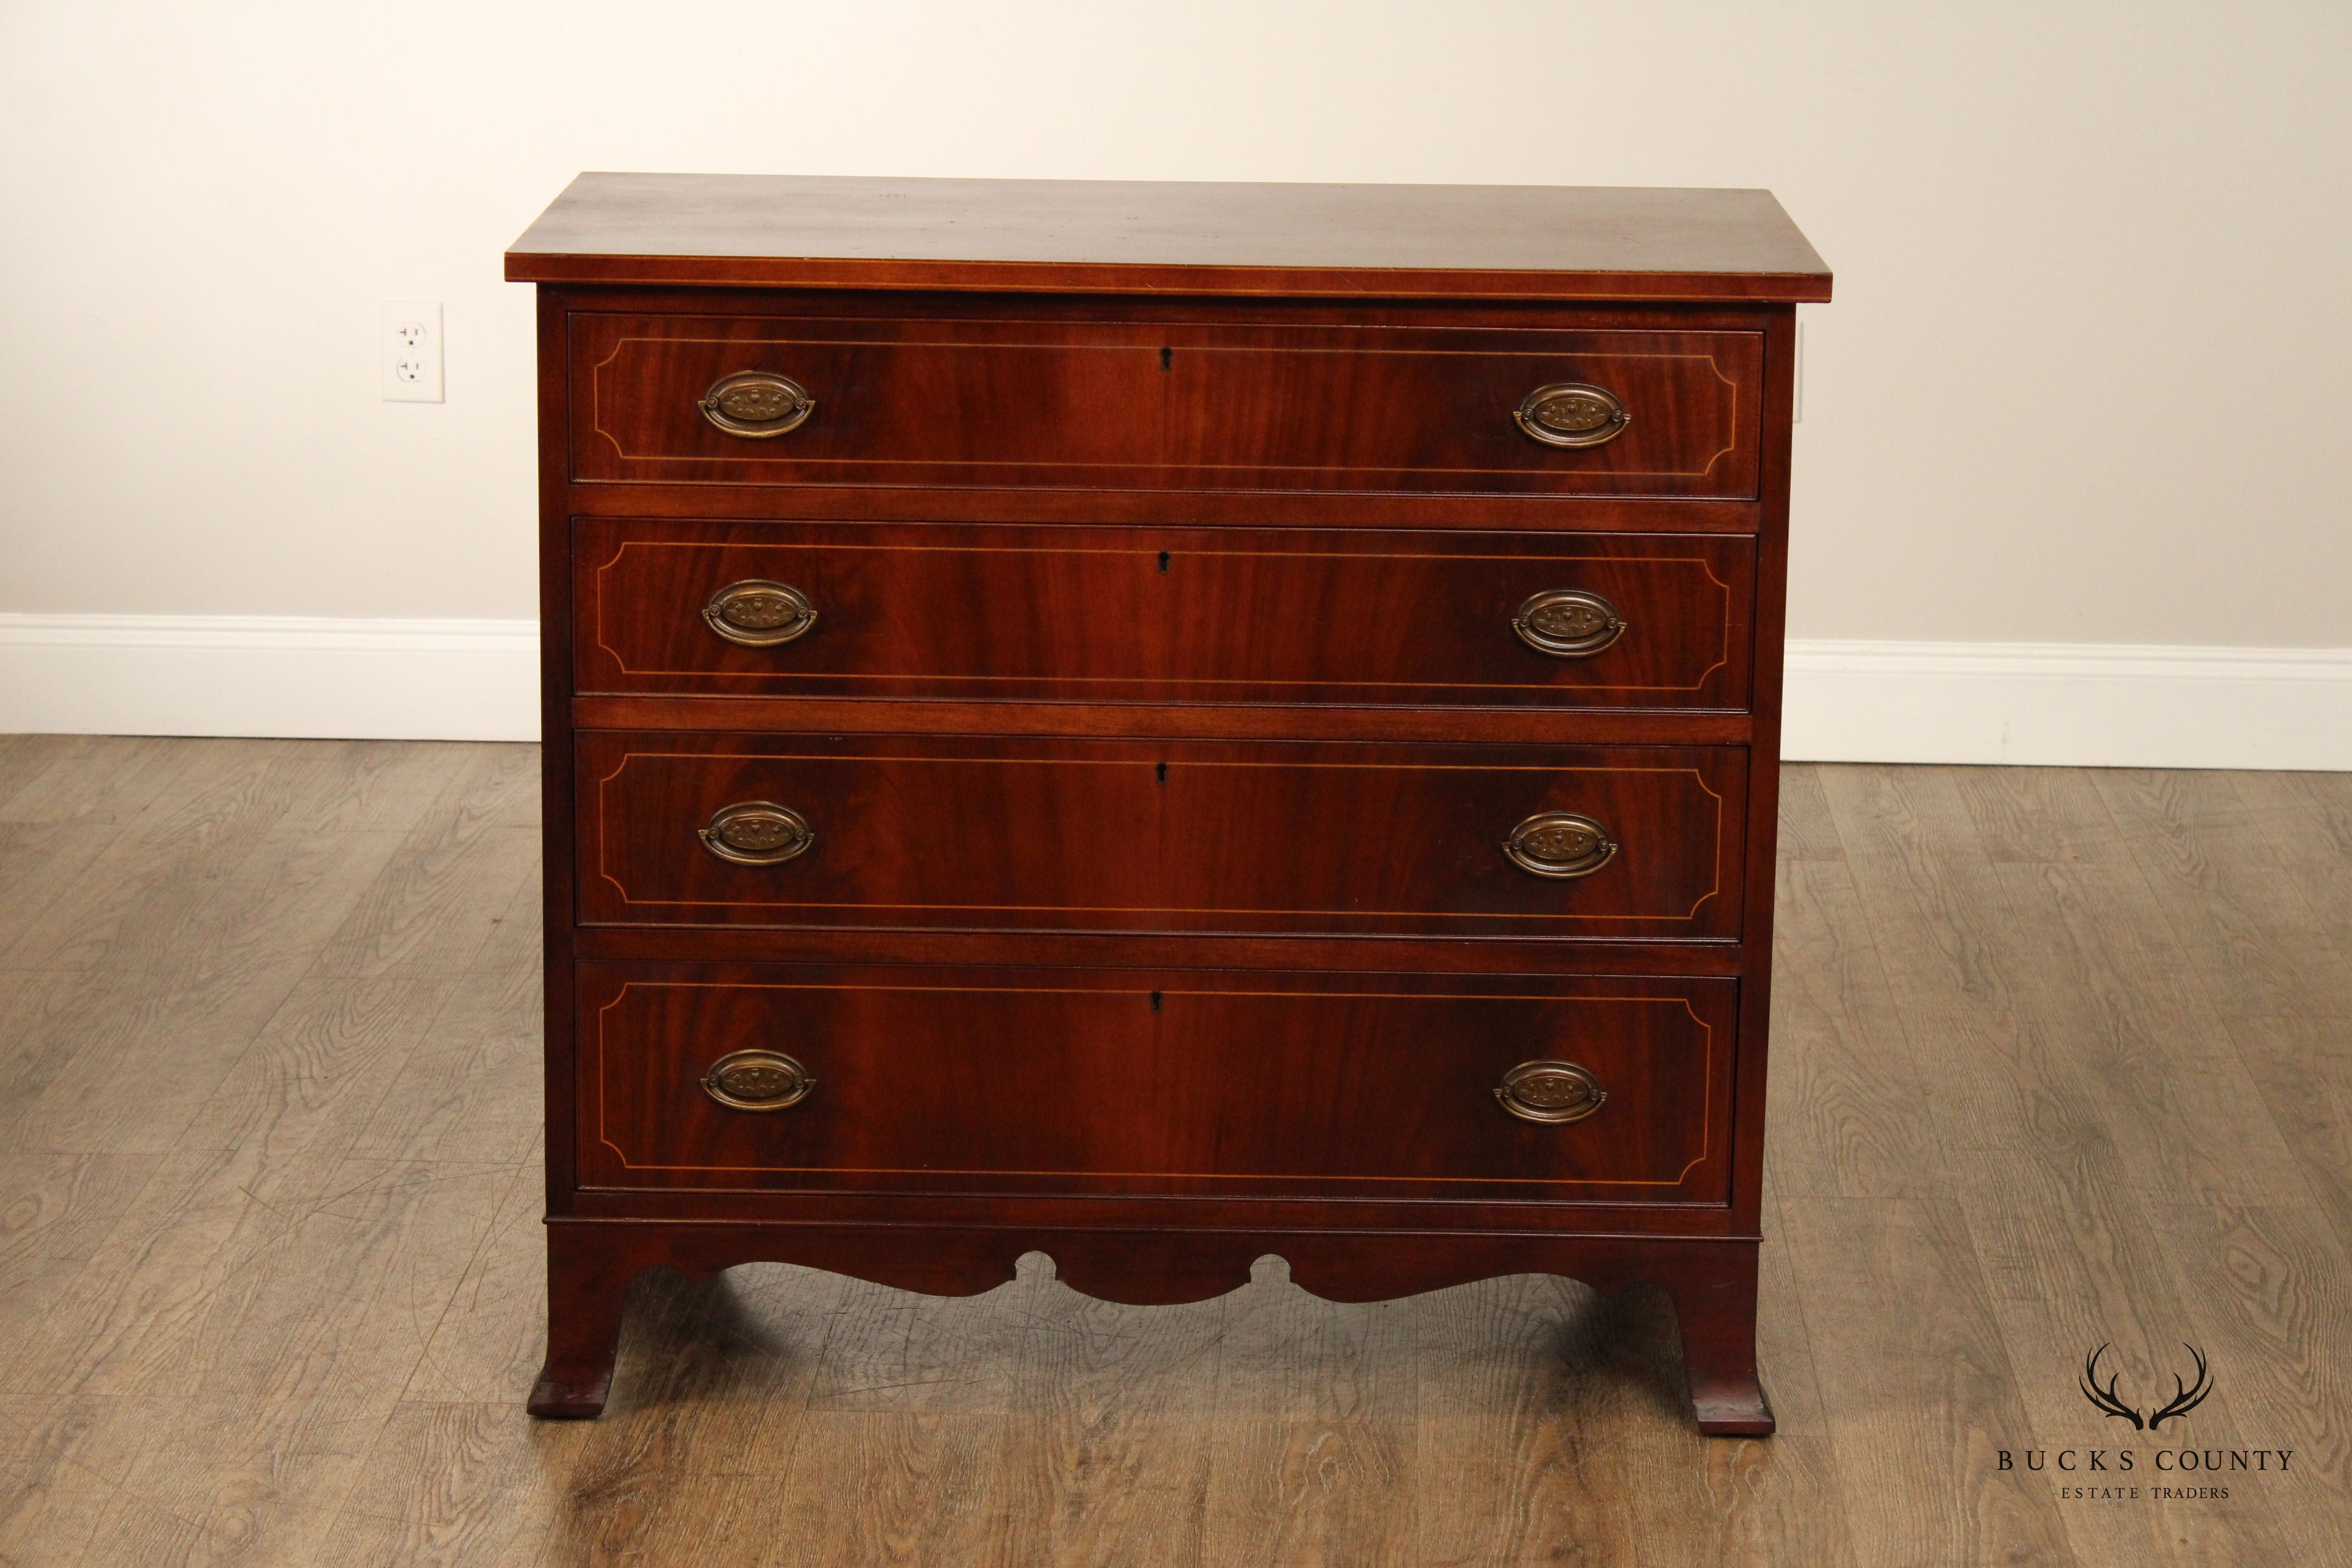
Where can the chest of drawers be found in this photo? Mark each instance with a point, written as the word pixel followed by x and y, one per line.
pixel 1161 724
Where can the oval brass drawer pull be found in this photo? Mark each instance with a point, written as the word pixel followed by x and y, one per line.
pixel 756 612
pixel 757 833
pixel 757 1080
pixel 1560 844
pixel 1568 622
pixel 1571 414
pixel 1550 1091
pixel 757 404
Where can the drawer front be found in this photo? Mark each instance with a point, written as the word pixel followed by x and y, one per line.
pixel 1074 1081
pixel 896 401
pixel 1162 614
pixel 995 834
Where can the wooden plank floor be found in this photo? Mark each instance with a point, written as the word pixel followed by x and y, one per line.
pixel 2063 1057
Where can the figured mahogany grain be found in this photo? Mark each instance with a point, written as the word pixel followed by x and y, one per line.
pixel 912 398
pixel 1161 615
pixel 1108 1081
pixel 1525 724
pixel 1144 237
pixel 1038 835
pixel 1481 956
pixel 1176 509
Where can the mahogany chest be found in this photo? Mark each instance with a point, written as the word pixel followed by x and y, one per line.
pixel 1161 724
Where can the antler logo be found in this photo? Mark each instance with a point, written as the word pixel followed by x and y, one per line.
pixel 2186 1398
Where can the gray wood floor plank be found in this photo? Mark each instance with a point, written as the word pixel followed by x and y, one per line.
pixel 2244 927
pixel 64 1461
pixel 2148 1042
pixel 1318 1445
pixel 2265 1294
pixel 1807 830
pixel 1918 1383
pixel 2039 815
pixel 2304 1069
pixel 40 863
pixel 450 883
pixel 1849 1115
pixel 118 780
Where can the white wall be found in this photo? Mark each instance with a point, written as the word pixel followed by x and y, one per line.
pixel 2084 383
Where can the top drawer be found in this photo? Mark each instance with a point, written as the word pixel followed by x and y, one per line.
pixel 900 401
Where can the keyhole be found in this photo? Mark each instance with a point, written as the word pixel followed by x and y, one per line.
pixel 1155 1000
pixel 1163 561
pixel 1160 773
pixel 1167 359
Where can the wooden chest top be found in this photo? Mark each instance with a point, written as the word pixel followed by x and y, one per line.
pixel 1529 242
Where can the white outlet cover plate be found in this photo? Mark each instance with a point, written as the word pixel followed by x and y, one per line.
pixel 410 348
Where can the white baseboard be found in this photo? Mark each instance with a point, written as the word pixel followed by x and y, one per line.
pixel 2058 704
pixel 303 676
pixel 2069 705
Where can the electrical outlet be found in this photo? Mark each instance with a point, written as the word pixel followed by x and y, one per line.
pixel 412 351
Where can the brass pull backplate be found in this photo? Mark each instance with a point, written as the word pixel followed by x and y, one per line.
pixel 1568 622
pixel 1560 844
pixel 1571 414
pixel 755 613
pixel 757 833
pixel 757 1080
pixel 757 404
pixel 1550 1091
